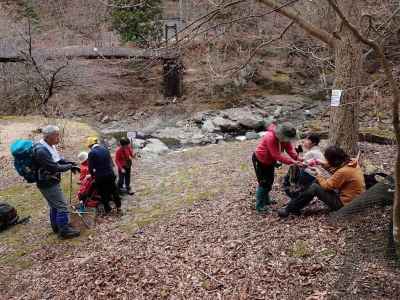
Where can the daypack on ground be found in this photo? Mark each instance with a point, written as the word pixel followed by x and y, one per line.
pixel 8 216
pixel 23 152
pixel 370 179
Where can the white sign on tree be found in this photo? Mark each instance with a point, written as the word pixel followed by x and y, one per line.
pixel 336 96
pixel 131 135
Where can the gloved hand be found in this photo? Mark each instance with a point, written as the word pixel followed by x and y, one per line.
pixel 75 169
pixel 299 149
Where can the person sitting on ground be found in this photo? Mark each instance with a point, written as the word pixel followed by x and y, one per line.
pixel 84 165
pixel 268 152
pixel 101 168
pixel 346 183
pixel 298 179
pixel 313 154
pixel 49 165
pixel 88 194
pixel 123 159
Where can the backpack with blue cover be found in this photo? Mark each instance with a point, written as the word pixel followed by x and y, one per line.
pixel 23 153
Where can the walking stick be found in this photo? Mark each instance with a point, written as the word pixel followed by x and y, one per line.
pixel 70 188
pixel 75 210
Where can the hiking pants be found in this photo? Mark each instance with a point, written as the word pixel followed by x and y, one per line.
pixel 330 198
pixel 124 178
pixel 108 191
pixel 264 173
pixel 57 203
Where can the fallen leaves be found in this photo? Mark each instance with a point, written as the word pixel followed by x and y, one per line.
pixel 217 249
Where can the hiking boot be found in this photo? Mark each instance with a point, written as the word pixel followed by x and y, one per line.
pixel 129 191
pixel 54 227
pixel 262 210
pixel 283 212
pixel 67 232
pixel 260 197
pixel 268 200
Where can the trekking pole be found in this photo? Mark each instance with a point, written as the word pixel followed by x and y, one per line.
pixel 70 188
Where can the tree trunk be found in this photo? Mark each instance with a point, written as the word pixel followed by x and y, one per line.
pixel 348 77
pixel 396 204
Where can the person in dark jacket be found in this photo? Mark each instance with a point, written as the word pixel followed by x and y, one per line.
pixel 101 168
pixel 50 165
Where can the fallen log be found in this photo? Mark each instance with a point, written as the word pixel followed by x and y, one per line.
pixel 381 194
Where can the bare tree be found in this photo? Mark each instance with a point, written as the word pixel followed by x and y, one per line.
pixel 348 72
pixel 45 78
pixel 395 91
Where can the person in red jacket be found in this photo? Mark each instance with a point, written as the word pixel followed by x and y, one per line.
pixel 123 159
pixel 87 193
pixel 84 165
pixel 269 151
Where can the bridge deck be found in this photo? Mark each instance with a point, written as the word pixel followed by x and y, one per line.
pixel 12 55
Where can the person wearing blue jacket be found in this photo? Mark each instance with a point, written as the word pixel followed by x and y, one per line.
pixel 101 168
pixel 49 166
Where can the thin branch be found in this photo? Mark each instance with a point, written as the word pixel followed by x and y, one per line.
pixel 314 56
pixel 266 43
pixel 247 17
pixel 124 6
pixel 310 28
pixel 52 84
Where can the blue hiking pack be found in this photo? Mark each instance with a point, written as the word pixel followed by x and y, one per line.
pixel 23 153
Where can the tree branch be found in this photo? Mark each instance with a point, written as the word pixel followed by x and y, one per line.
pixel 311 29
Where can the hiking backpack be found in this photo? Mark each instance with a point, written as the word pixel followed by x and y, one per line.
pixel 291 182
pixel 23 153
pixel 371 179
pixel 8 216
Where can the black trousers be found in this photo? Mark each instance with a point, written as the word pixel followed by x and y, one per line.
pixel 108 191
pixel 264 173
pixel 124 178
pixel 330 198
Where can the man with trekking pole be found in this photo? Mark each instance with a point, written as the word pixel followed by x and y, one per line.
pixel 49 166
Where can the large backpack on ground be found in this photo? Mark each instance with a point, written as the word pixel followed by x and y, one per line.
pixel 296 181
pixel 8 216
pixel 371 179
pixel 23 153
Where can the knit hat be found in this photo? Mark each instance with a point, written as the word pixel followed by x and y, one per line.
pixel 286 132
pixel 91 141
pixel 82 157
pixel 49 130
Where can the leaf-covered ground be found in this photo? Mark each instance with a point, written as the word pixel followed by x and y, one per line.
pixel 191 232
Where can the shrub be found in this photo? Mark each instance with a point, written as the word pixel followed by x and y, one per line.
pixel 138 24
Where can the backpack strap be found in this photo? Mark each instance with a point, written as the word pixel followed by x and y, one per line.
pixel 24 220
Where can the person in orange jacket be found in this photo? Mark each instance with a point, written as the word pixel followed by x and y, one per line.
pixel 346 183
